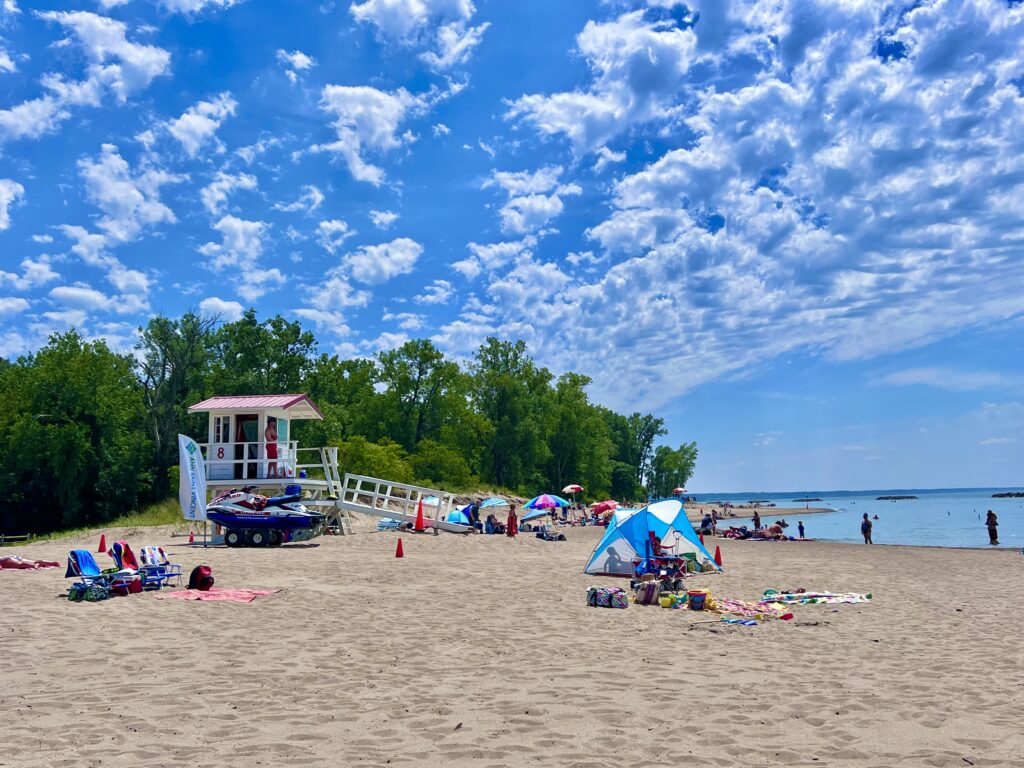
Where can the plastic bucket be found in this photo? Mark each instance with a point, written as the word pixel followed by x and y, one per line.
pixel 697 600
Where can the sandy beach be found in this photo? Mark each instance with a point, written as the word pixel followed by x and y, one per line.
pixel 481 651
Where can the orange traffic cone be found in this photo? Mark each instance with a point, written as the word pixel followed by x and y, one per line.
pixel 399 552
pixel 419 517
pixel 191 537
pixel 718 555
pixel 701 535
pixel 103 543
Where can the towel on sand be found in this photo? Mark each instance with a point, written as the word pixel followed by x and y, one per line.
pixel 220 594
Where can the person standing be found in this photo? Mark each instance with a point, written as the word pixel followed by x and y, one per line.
pixel 992 523
pixel 800 527
pixel 270 436
pixel 512 524
pixel 865 529
pixel 757 520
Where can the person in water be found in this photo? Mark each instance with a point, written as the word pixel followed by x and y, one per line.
pixel 865 529
pixel 992 523
pixel 800 528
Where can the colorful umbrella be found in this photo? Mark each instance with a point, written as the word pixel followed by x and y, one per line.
pixel 604 506
pixel 677 491
pixel 572 489
pixel 545 501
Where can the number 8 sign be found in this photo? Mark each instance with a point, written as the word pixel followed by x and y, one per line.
pixel 220 453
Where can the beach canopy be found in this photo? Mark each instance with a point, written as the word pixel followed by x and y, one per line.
pixel 458 516
pixel 628 537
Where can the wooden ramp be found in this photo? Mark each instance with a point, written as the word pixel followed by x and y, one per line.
pixel 398 501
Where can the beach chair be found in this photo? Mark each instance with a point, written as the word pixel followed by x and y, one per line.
pixel 93 584
pixel 156 568
pixel 124 578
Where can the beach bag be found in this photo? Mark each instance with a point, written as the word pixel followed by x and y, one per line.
pixel 592 596
pixel 201 578
pixel 618 599
pixel 604 596
pixel 648 592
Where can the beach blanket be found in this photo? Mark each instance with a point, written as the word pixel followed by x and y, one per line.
pixel 218 594
pixel 810 598
pixel 734 607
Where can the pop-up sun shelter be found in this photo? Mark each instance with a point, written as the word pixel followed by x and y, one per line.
pixel 628 537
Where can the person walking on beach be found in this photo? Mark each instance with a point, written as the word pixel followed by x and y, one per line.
pixel 992 523
pixel 865 528
pixel 757 521
pixel 512 524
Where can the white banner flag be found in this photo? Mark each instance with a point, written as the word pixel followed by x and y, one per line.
pixel 192 481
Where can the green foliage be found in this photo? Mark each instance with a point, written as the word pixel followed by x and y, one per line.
pixel 91 434
pixel 384 459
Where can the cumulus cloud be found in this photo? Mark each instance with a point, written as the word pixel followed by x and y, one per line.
pixel 12 305
pixel 331 234
pixel 34 273
pixel 10 192
pixel 215 194
pixel 438 292
pixel 383 219
pixel 527 208
pixel 197 126
pixel 238 254
pixel 439 24
pixel 114 66
pixel 129 200
pixel 79 296
pixel 294 62
pixel 196 6
pixel 6 62
pixel 638 66
pixel 310 199
pixel 375 264
pixel 366 118
pixel 213 306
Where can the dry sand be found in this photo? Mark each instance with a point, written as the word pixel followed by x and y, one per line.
pixel 480 651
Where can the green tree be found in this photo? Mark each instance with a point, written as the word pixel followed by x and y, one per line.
pixel 344 392
pixel 440 466
pixel 386 459
pixel 512 394
pixel 579 442
pixel 75 446
pixel 672 468
pixel 173 358
pixel 423 392
pixel 253 358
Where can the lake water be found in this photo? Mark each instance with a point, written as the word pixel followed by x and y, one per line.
pixel 940 518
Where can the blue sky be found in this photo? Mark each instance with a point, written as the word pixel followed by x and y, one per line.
pixel 793 229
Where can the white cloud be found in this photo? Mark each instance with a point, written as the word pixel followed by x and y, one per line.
pixel 606 157
pixel 114 65
pixel 383 219
pixel 455 42
pixel 952 379
pixel 294 62
pixel 81 297
pixel 196 6
pixel 331 234
pixel 638 68
pixel 374 264
pixel 997 441
pixel 42 238
pixel 215 194
pixel 129 201
pixel 366 119
pixel 6 62
pixel 438 292
pixel 239 253
pixel 10 192
pixel 407 321
pixel 229 311
pixel 198 125
pixel 12 305
pixel 34 273
pixel 527 209
pixel 440 129
pixel 310 199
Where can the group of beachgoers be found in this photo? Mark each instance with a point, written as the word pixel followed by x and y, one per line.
pixel 775 531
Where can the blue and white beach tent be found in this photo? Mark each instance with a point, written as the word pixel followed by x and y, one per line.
pixel 629 532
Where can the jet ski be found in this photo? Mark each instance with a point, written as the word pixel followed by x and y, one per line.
pixel 252 520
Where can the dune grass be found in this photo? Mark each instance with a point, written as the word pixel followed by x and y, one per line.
pixel 166 512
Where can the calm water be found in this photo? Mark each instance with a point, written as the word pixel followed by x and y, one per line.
pixel 942 518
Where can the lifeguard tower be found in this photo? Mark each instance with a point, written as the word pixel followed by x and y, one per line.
pixel 249 443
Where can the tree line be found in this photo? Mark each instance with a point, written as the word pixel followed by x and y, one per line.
pixel 90 434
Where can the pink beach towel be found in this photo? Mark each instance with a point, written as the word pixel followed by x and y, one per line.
pixel 219 594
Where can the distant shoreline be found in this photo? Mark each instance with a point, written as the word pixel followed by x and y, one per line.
pixel 696 512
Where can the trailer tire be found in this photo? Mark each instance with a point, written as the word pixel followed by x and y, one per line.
pixel 233 538
pixel 274 538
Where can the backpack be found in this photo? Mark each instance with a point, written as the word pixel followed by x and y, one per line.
pixel 201 578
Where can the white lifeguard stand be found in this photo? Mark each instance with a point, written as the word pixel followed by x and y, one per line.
pixel 238 453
